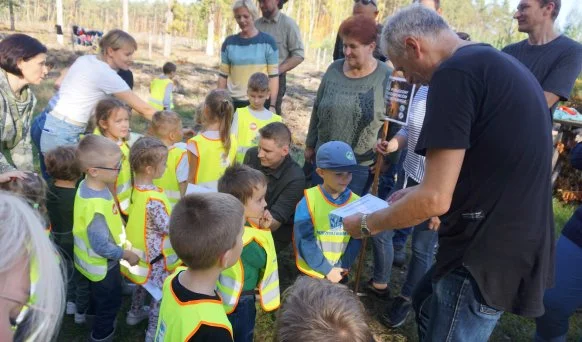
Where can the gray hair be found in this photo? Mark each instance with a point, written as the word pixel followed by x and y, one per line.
pixel 412 21
pixel 22 235
pixel 249 5
pixel 319 310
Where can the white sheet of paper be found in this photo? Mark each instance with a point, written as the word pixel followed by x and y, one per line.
pixel 155 291
pixel 364 205
pixel 194 188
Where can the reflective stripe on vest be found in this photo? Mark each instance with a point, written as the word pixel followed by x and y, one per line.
pixel 137 233
pixel 169 180
pixel 331 241
pixel 171 260
pixel 212 161
pixel 123 183
pixel 248 130
pixel 158 92
pixel 91 265
pixel 231 281
pixel 179 321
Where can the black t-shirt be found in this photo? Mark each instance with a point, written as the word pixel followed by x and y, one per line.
pixel 127 76
pixel 60 204
pixel 556 65
pixel 205 333
pixel 490 105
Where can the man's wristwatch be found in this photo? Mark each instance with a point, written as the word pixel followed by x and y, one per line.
pixel 364 230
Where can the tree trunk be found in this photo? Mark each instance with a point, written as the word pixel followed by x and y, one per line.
pixel 168 30
pixel 59 4
pixel 125 15
pixel 210 34
pixel 11 10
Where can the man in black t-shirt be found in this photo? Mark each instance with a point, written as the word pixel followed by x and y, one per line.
pixel 554 59
pixel 487 141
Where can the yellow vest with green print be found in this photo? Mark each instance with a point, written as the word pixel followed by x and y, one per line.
pixel 169 180
pixel 248 131
pixel 179 321
pixel 90 264
pixel 137 236
pixel 212 161
pixel 331 241
pixel 231 281
pixel 158 92
pixel 123 182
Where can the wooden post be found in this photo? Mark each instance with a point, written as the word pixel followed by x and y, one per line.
pixel 149 45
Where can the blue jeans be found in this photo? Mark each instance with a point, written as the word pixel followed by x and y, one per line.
pixel 562 301
pixel 105 302
pixel 57 133
pixel 243 319
pixel 35 132
pixel 423 245
pixel 360 184
pixel 452 309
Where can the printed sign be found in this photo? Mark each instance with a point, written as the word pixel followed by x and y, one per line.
pixel 398 100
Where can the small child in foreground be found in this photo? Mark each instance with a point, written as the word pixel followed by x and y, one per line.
pixel 206 232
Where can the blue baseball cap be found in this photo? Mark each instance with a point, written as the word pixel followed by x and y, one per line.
pixel 337 156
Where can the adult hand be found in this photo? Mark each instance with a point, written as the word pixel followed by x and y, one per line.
pixel 336 274
pixel 10 175
pixel 130 257
pixel 386 147
pixel 398 195
pixel 309 154
pixel 352 225
pixel 434 223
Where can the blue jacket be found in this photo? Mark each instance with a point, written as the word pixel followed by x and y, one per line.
pixel 306 244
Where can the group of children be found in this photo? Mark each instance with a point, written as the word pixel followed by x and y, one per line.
pixel 120 210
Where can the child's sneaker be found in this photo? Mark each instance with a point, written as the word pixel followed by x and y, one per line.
pixel 71 308
pixel 80 318
pixel 134 318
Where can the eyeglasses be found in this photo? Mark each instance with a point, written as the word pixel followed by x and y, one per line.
pixel 367 2
pixel 117 168
pixel 14 323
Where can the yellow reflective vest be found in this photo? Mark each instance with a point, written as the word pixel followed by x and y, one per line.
pixel 158 92
pixel 248 131
pixel 90 264
pixel 179 321
pixel 331 241
pixel 169 180
pixel 137 236
pixel 212 160
pixel 231 281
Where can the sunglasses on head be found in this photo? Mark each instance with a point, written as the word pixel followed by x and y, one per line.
pixel 367 2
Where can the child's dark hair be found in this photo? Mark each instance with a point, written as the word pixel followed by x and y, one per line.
pixel 169 68
pixel 32 188
pixel 219 105
pixel 103 110
pixel 61 163
pixel 241 181
pixel 163 122
pixel 258 82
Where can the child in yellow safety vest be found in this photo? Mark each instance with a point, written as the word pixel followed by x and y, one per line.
pixel 162 87
pixel 322 248
pixel 147 231
pixel 257 266
pixel 111 120
pixel 167 126
pixel 249 120
pixel 98 232
pixel 206 232
pixel 211 151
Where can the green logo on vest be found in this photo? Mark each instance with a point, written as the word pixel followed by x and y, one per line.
pixel 350 155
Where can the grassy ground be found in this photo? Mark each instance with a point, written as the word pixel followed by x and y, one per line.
pixel 509 328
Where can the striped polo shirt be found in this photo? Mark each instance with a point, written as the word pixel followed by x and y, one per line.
pixel 414 163
pixel 242 57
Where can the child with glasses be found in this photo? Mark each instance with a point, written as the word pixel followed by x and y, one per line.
pixel 99 234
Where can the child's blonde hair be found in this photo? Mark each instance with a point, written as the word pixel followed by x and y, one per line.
pixel 164 122
pixel 146 151
pixel 95 150
pixel 220 108
pixel 32 188
pixel 103 111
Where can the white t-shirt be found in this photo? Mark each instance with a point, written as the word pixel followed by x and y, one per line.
pixel 88 81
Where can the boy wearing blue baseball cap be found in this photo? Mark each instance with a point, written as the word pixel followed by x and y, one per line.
pixel 322 248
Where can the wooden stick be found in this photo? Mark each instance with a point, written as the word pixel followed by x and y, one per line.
pixel 374 191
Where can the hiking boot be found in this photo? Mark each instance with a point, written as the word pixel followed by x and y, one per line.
pixel 396 314
pixel 399 256
pixel 385 293
pixel 134 318
pixel 71 308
